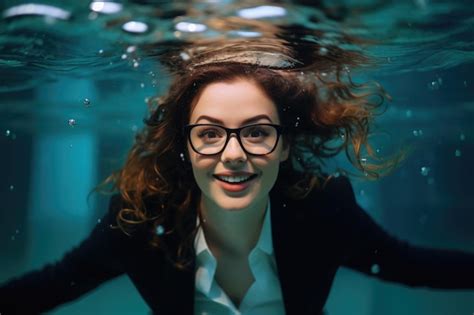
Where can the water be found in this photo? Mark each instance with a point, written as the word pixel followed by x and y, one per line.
pixel 74 86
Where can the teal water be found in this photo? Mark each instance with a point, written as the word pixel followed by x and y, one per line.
pixel 74 81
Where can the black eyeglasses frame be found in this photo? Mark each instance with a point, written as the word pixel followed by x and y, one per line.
pixel 187 133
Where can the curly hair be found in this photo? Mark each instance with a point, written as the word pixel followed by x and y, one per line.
pixel 323 112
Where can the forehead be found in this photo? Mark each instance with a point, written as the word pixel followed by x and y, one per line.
pixel 233 103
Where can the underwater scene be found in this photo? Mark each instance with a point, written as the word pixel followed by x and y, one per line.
pixel 77 79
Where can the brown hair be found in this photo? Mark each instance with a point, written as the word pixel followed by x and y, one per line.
pixel 323 113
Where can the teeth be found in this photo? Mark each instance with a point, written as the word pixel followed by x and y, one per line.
pixel 234 179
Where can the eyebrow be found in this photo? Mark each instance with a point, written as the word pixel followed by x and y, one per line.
pixel 246 121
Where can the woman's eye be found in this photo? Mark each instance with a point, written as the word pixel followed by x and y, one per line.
pixel 208 134
pixel 257 133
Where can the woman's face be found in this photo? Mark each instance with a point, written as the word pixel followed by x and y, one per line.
pixel 230 104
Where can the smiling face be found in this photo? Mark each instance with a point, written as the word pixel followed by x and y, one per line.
pixel 230 104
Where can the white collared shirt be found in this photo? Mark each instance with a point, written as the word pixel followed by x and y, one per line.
pixel 264 295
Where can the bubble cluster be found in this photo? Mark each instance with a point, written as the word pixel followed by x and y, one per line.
pixel 418 132
pixel 297 123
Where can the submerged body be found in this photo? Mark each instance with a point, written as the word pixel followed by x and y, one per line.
pixel 321 233
pixel 255 120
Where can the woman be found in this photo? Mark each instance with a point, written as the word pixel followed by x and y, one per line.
pixel 224 204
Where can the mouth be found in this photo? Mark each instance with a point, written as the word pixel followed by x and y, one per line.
pixel 237 187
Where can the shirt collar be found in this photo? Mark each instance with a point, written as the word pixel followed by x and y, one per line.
pixel 264 243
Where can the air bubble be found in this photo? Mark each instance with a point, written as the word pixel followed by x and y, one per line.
pixel 71 122
pixel 184 56
pixel 136 64
pixel 435 84
pixel 136 27
pixel 7 133
pixel 457 153
pixel 131 49
pixel 160 230
pixel 409 113
pixel 418 132
pixel 375 269
pixel 11 187
pixel 101 51
pixel 425 170
pixel 142 85
pixel 462 137
pixel 87 102
pixel 124 56
pixel 323 51
pixel 99 220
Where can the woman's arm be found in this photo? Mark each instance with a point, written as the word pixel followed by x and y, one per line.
pixel 82 269
pixel 373 251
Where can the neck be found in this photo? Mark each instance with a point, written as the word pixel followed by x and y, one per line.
pixel 232 233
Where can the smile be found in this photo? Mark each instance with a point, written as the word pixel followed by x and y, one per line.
pixel 236 186
pixel 236 179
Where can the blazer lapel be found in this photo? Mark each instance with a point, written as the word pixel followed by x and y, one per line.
pixel 299 243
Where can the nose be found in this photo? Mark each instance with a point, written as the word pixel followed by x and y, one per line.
pixel 233 151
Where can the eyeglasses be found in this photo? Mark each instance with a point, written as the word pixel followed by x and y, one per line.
pixel 257 139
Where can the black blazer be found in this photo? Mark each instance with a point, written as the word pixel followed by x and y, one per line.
pixel 312 238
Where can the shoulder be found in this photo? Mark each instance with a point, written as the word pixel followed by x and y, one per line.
pixel 339 189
